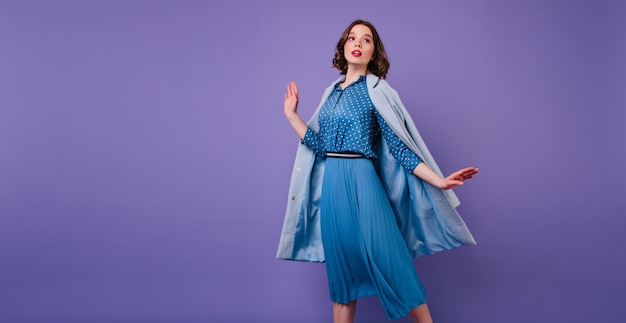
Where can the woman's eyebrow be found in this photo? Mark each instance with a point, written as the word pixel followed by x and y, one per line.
pixel 353 33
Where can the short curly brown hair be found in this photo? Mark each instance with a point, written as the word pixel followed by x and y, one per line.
pixel 379 65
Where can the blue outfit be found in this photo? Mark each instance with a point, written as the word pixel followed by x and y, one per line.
pixel 325 189
pixel 363 247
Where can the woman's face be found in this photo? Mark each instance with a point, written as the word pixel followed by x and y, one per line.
pixel 359 47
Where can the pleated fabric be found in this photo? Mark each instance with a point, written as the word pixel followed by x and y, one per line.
pixel 364 249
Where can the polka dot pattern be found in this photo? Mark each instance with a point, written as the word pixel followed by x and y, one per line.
pixel 349 122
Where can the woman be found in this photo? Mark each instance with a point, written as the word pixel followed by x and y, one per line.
pixel 366 195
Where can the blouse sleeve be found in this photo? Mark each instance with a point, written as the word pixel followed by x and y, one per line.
pixel 399 150
pixel 313 141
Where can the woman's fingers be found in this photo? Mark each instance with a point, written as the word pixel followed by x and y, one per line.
pixel 295 88
pixel 467 172
pixel 291 99
pixel 292 90
pixel 461 175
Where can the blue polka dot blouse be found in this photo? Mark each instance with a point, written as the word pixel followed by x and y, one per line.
pixel 349 122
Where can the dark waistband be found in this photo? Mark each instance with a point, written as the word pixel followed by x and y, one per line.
pixel 344 155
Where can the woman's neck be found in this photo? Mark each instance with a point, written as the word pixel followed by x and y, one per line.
pixel 353 74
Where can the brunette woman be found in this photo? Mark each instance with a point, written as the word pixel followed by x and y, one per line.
pixel 366 196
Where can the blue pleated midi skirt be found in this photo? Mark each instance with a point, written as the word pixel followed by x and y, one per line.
pixel 364 249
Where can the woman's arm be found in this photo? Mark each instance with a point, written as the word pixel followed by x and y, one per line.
pixel 307 136
pixel 408 159
pixel 455 179
pixel 291 110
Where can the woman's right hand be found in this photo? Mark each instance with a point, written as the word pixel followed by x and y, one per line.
pixel 291 110
pixel 291 100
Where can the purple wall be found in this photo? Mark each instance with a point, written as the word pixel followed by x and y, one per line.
pixel 144 157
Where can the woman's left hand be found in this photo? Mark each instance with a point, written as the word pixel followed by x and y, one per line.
pixel 457 178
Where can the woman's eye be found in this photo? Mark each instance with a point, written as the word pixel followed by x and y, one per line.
pixel 350 38
pixel 367 41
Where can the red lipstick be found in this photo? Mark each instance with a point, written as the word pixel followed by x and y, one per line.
pixel 356 53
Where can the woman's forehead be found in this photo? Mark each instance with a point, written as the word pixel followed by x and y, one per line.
pixel 360 29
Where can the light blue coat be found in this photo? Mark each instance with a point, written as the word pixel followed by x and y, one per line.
pixel 425 214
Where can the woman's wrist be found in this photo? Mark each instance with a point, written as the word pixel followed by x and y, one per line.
pixel 292 116
pixel 424 172
pixel 441 183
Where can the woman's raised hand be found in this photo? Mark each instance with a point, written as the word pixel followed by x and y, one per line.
pixel 457 178
pixel 291 100
pixel 291 110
